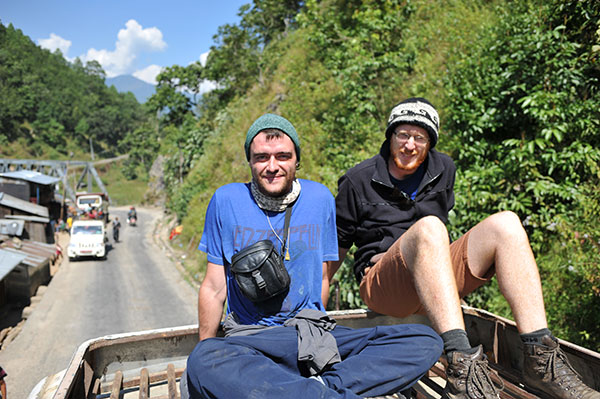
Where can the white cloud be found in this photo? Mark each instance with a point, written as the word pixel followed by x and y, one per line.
pixel 132 41
pixel 206 86
pixel 148 74
pixel 55 42
pixel 204 57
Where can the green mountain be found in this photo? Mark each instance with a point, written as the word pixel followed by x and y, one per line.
pixel 127 83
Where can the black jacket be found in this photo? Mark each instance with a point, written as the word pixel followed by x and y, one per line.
pixel 372 213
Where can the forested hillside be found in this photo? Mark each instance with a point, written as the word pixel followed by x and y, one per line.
pixel 516 84
pixel 51 108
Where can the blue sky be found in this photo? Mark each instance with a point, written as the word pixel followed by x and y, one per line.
pixel 133 37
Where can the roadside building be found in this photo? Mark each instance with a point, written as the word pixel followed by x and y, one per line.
pixel 32 270
pixel 36 188
pixel 8 262
pixel 35 218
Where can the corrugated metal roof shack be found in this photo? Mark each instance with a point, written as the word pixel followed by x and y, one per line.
pixel 38 189
pixel 36 217
pixel 33 270
pixel 8 261
pixel 34 188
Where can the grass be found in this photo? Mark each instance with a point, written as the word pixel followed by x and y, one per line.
pixel 120 190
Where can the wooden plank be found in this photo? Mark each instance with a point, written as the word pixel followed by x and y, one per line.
pixel 96 388
pixel 171 382
pixel 154 377
pixel 88 378
pixel 115 392
pixel 144 384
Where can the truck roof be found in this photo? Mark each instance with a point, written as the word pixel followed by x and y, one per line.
pixel 88 222
pixel 82 193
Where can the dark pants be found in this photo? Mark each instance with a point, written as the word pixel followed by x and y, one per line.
pixel 375 361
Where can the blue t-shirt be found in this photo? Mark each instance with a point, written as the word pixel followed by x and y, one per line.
pixel 410 185
pixel 234 221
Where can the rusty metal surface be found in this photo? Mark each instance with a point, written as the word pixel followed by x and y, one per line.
pixel 503 346
pixel 36 253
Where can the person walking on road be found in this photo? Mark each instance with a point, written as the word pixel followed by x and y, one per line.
pixel 116 226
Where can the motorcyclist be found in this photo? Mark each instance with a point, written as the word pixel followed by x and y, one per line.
pixel 116 225
pixel 132 216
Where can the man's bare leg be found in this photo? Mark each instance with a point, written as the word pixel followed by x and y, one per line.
pixel 426 252
pixel 500 240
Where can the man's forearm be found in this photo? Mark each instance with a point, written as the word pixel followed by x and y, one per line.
pixel 210 311
pixel 209 317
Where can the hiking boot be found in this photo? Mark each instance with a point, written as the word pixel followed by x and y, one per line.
pixel 547 370
pixel 469 377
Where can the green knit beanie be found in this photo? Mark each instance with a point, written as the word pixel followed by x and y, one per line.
pixel 272 121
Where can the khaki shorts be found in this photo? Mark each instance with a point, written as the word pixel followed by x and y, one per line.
pixel 387 288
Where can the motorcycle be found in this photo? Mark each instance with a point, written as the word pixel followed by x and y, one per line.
pixel 132 220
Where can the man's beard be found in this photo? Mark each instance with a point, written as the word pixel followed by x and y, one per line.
pixel 260 183
pixel 413 165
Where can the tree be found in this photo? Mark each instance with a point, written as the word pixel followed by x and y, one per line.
pixel 524 122
pixel 50 103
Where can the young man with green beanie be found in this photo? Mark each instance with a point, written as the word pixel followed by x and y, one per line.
pixel 394 207
pixel 284 346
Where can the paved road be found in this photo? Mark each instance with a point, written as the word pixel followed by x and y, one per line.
pixel 136 288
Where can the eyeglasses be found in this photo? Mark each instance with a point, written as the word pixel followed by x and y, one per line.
pixel 403 136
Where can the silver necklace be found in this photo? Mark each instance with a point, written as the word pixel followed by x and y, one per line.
pixel 287 245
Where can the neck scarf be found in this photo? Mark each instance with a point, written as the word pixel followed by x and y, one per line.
pixel 275 204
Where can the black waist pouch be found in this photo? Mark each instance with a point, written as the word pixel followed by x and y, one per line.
pixel 259 272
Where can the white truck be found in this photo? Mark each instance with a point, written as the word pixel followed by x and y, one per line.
pixel 98 202
pixel 88 238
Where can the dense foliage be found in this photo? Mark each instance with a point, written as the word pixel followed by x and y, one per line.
pixel 517 89
pixel 50 107
pixel 523 112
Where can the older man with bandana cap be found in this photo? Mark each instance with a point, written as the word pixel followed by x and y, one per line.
pixel 394 207
pixel 265 352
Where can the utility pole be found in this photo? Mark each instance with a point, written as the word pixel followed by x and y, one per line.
pixel 91 148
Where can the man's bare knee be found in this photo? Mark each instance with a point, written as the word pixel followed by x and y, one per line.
pixel 428 235
pixel 430 229
pixel 505 226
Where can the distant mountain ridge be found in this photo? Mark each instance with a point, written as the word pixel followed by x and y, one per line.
pixel 124 83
